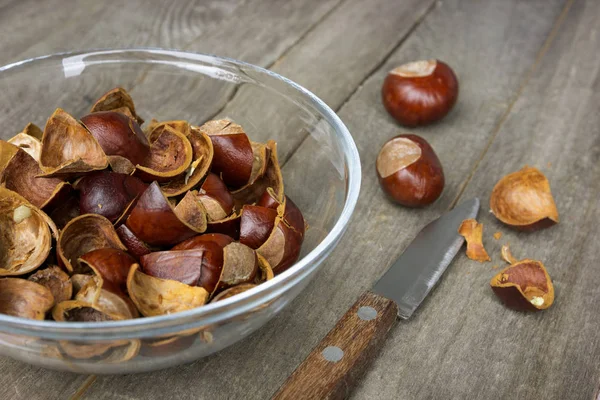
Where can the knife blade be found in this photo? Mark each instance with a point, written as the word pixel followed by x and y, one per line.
pixel 332 368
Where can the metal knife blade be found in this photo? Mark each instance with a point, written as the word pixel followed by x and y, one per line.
pixel 408 281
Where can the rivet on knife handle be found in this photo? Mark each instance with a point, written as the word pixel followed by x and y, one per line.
pixel 332 368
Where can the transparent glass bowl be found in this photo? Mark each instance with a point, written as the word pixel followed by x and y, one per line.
pixel 321 170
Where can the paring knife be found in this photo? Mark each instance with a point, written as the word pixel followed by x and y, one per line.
pixel 332 368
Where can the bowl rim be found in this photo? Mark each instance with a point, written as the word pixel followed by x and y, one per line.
pixel 211 313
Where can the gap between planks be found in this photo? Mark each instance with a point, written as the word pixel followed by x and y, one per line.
pixel 538 59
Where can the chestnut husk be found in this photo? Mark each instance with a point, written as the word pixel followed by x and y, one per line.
pixel 121 165
pixel 22 175
pixel 270 179
pixel 56 281
pixel 29 140
pixel 111 264
pixel 135 246
pixel 170 156
pixel 523 200
pixel 116 99
pixel 107 297
pixel 108 193
pixel 233 155
pixel 154 221
pixel 68 148
pixel 118 135
pixel 202 155
pixel 216 198
pixel 25 299
pixel 522 284
pixel 184 266
pixel 83 234
pixel 256 225
pixel 154 296
pixel 25 234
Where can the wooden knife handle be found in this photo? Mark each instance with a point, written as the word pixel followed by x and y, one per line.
pixel 334 366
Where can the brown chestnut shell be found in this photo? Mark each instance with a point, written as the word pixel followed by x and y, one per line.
pixel 524 286
pixel 233 155
pixel 184 266
pixel 409 171
pixel 170 156
pixel 240 265
pixel 111 264
pixel 83 234
pixel 118 135
pixel 270 179
pixel 115 100
pixel 108 193
pixel 68 148
pixel 56 281
pixel 135 246
pixel 216 198
pixel 232 291
pixel 25 234
pixel 154 221
pixel 523 200
pixel 256 225
pixel 29 140
pixel 154 296
pixel 25 299
pixel 421 92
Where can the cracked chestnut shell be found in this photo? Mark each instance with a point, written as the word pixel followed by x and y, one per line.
pixel 23 298
pixel 420 92
pixel 524 286
pixel 118 135
pixel 233 155
pixel 523 200
pixel 409 171
pixel 118 100
pixel 216 198
pixel 111 264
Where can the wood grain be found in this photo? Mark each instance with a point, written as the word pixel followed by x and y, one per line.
pixel 461 34
pixel 331 370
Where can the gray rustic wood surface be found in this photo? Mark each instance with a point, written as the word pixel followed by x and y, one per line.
pixel 530 83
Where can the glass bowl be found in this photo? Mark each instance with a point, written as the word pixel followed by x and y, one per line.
pixel 321 170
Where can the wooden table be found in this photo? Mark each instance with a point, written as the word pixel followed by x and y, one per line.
pixel 530 88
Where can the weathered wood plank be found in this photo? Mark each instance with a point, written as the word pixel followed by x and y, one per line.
pixel 482 349
pixel 466 36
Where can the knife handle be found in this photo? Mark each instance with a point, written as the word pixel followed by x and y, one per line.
pixel 334 366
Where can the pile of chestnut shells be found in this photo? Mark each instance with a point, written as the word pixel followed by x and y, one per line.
pixel 102 220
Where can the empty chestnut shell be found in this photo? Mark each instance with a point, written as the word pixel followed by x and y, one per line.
pixel 409 171
pixel 68 148
pixel 111 264
pixel 191 211
pixel 29 140
pixel 108 193
pixel 25 234
pixel 108 298
pixel 56 281
pixel 170 156
pixel 215 198
pixel 270 179
pixel 154 221
pixel 25 299
pixel 184 266
pixel 240 265
pixel 117 100
pixel 118 135
pixel 83 234
pixel 229 226
pixel 22 175
pixel 291 213
pixel 232 291
pixel 523 200
pixel 80 311
pixel 524 286
pixel 154 296
pixel 282 248
pixel 233 155
pixel 420 92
